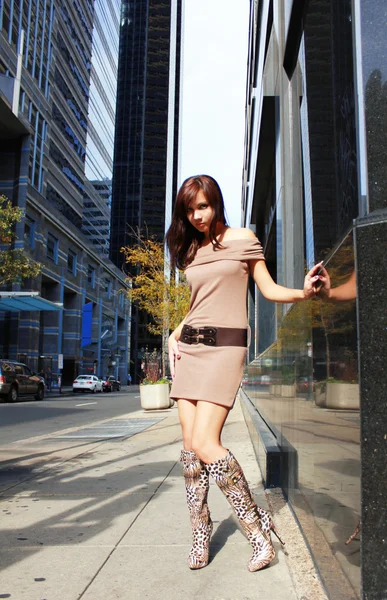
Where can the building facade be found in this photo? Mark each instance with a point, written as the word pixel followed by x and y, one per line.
pixel 314 189
pixel 51 86
pixel 97 213
pixel 146 143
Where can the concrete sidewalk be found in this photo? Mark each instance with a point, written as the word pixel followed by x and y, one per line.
pixel 106 520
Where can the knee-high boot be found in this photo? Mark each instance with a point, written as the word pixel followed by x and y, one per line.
pixel 196 485
pixel 255 522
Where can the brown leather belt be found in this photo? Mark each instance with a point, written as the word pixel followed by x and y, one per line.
pixel 214 336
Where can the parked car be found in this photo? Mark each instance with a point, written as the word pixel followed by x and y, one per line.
pixel 303 384
pixel 111 384
pixel 87 383
pixel 264 380
pixel 17 380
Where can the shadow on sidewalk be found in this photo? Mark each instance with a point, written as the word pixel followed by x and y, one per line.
pixel 92 499
pixel 224 531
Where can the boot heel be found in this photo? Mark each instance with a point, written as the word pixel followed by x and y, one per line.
pixel 274 530
pixel 266 524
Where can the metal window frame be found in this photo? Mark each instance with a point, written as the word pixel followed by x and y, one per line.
pixel 74 257
pixel 56 247
pixel 31 236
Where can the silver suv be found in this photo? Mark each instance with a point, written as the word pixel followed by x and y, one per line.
pixel 16 380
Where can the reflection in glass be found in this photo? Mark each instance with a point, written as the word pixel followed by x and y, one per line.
pixel 305 387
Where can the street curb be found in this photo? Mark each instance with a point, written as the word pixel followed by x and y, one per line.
pixel 69 393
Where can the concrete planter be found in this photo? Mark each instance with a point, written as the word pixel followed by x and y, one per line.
pixel 340 396
pixel 155 397
pixel 287 391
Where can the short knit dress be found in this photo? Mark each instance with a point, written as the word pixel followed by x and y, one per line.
pixel 218 281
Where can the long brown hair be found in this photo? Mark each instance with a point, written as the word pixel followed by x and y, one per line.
pixel 182 238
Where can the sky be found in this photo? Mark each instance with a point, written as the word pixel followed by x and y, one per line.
pixel 215 44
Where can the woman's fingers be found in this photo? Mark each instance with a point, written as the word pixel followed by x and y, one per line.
pixel 317 281
pixel 172 364
pixel 174 354
pixel 311 282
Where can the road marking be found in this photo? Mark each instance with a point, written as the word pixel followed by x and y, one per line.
pixel 86 404
pixel 137 396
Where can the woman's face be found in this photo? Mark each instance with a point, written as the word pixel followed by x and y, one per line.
pixel 200 213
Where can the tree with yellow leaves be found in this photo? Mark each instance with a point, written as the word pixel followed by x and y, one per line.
pixel 154 287
pixel 14 264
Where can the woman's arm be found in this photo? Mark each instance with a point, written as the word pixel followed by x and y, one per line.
pixel 268 288
pixel 341 293
pixel 278 293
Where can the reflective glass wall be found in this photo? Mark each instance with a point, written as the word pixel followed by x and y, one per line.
pixel 305 386
pixel 301 198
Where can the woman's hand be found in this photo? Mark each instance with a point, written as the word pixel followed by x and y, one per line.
pixel 312 282
pixel 325 284
pixel 174 353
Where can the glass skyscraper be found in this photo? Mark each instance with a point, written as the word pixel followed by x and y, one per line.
pixel 147 103
pixel 146 142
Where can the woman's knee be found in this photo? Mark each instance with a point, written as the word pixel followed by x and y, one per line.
pixel 207 452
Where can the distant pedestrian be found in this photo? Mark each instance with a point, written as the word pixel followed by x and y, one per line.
pixel 207 354
pixel 48 379
pixel 129 379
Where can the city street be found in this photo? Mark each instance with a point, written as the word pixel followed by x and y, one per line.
pixel 26 418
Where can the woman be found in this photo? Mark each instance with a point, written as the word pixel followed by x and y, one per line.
pixel 207 353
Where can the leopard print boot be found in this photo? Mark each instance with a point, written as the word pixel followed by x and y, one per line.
pixel 196 485
pixel 229 476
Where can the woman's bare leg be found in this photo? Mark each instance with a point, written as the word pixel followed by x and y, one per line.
pixel 187 411
pixel 207 430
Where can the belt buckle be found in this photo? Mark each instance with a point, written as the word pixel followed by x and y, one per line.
pixel 199 338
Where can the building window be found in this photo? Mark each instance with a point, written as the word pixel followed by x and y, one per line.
pixel 121 299
pixel 29 232
pixel 108 288
pixel 91 276
pixel 52 248
pixel 72 262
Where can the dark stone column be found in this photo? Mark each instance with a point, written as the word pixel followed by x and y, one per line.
pixel 371 252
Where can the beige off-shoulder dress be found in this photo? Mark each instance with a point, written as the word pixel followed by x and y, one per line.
pixel 218 280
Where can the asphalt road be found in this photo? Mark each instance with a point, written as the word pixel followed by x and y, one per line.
pixel 26 419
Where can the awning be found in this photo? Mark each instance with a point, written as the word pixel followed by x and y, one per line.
pixel 19 301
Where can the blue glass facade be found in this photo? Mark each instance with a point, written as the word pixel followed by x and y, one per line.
pixel 101 124
pixel 36 18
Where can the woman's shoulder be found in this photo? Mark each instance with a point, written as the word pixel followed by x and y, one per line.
pixel 239 233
